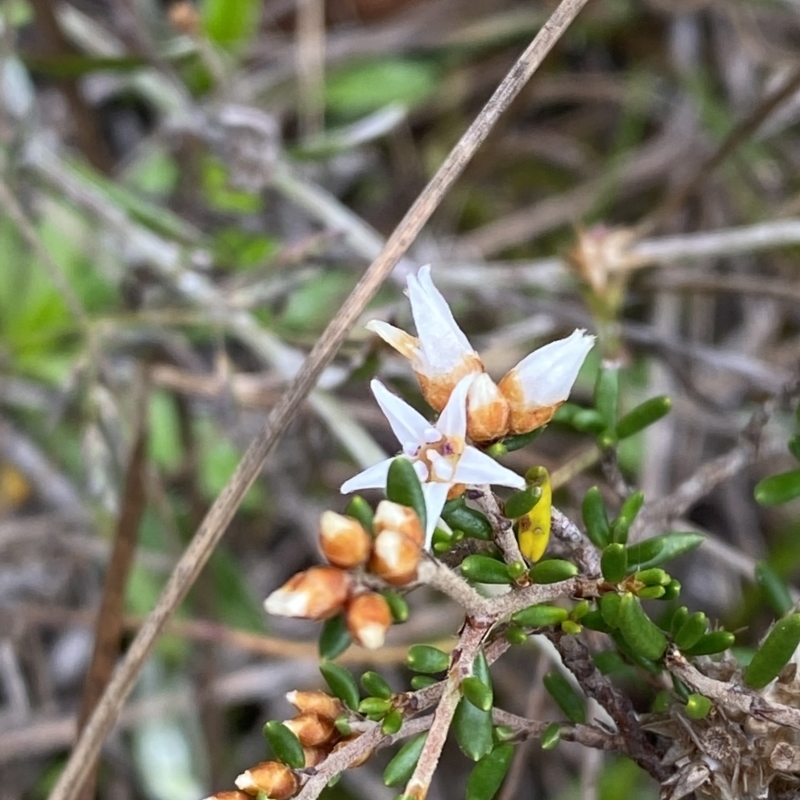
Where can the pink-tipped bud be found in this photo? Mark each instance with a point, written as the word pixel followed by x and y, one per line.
pixel 317 593
pixel 276 780
pixel 343 540
pixel 311 729
pixel 368 618
pixel 488 412
pixel 395 557
pixel 394 517
pixel 316 703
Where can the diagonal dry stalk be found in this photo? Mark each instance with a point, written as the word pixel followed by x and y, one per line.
pixel 219 516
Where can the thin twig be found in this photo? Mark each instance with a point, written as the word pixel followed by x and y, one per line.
pixel 219 516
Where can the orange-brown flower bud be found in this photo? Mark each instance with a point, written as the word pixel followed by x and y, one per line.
pixel 317 593
pixel 343 540
pixel 488 411
pixel 229 796
pixel 314 755
pixel 183 16
pixel 316 703
pixel 394 517
pixel 395 557
pixel 312 729
pixel 276 780
pixel 362 759
pixel 368 618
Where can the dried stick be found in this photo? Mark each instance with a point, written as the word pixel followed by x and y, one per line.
pixel 219 516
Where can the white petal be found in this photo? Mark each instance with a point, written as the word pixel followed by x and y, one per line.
pixel 548 373
pixel 373 477
pixel 435 497
pixel 453 419
pixel 409 425
pixel 442 342
pixel 476 468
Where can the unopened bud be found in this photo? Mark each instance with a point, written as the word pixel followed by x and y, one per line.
pixel 312 729
pixel 317 593
pixel 394 517
pixel 368 618
pixel 276 780
pixel 395 557
pixel 316 703
pixel 343 540
pixel 488 411
pixel 314 756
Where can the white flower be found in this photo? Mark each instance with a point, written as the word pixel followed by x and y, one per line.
pixel 442 459
pixel 442 354
pixel 542 381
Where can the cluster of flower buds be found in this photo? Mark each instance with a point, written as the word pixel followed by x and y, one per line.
pixel 392 554
pixel 314 728
pixel 441 356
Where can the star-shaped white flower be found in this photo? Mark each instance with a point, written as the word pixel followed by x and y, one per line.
pixel 442 459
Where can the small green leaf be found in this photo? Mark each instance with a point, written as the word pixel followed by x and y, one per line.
pixel 697 706
pixel 487 775
pixel 551 736
pixel 477 692
pixel 794 445
pixel 401 767
pixel 663 548
pixel 774 652
pixel 397 605
pixel 568 700
pixel 520 440
pixel 516 635
pixel 672 590
pixel 627 514
pixel 358 508
pixel 426 658
pixel 284 744
pixel 614 562
pixel 689 634
pixel 374 707
pixel 483 569
pixel 375 685
pixel 553 570
pixel 392 722
pixel 571 627
pixel 638 630
pixel 651 593
pixel 711 643
pixel 540 616
pixel 778 488
pixel 473 727
pixel 422 681
pixel 522 502
pixel 403 487
pixel 594 622
pixel 595 518
pixel 679 616
pixel 459 516
pixel 643 415
pixel 606 394
pixel 609 608
pixel 655 576
pixel 334 638
pixel 587 420
pixel 341 682
pixel 773 588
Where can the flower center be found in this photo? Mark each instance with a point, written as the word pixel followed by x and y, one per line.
pixel 436 459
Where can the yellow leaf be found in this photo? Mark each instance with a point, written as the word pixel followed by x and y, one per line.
pixel 534 528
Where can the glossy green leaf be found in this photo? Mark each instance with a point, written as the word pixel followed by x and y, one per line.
pixel 595 519
pixel 459 516
pixel 375 685
pixel 551 736
pixel 567 699
pixel 487 775
pixel 423 681
pixel 471 725
pixel 397 605
pixel 401 767
pixel 672 590
pixel 679 616
pixel 651 593
pixel 697 706
pixel 643 415
pixel 778 489
pixel 655 576
pixel 522 502
pixel 614 562
pixel 690 632
pixel 374 707
pixel 334 637
pixel 587 420
pixel 774 652
pixel 520 440
pixel 553 570
pixel 426 658
pixel 594 622
pixel 627 514
pixel 609 608
pixel 540 616
pixel 711 643
pixel 284 744
pixel 403 487
pixel 392 722
pixel 663 548
pixel 477 692
pixel 773 589
pixel 360 509
pixel 341 683
pixel 638 630
pixel 483 569
pixel 606 394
